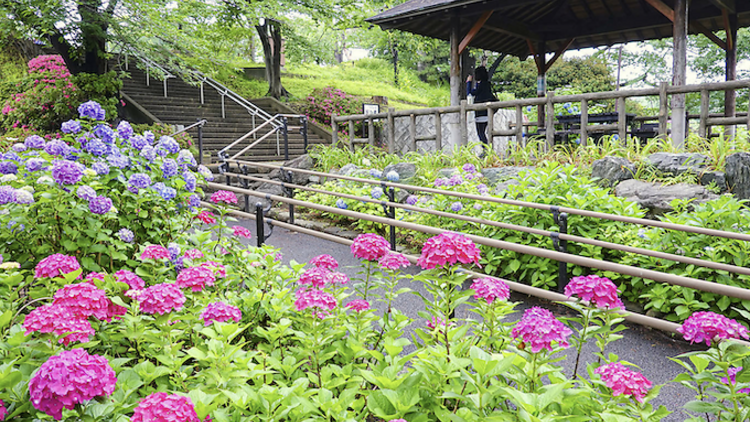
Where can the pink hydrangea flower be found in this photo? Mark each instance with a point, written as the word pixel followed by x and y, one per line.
pixel 224 196
pixel 358 305
pixel 316 299
pixel 161 298
pixel 448 249
pixel 624 381
pixel 435 322
pixel 193 254
pixel 94 276
pixel 115 311
pixel 335 277
pixel 489 289
pixel 3 411
pixel 83 300
pixel 58 320
pixel 70 378
pixel 599 291
pixel 539 328
pixel 732 372
pixel 240 231
pixel 369 246
pixel 220 312
pixel 218 269
pixel 131 279
pixel 56 265
pixel 163 407
pixel 709 326
pixel 397 420
pixel 206 217
pixel 315 277
pixel 155 252
pixel 196 278
pixel 325 261
pixel 393 261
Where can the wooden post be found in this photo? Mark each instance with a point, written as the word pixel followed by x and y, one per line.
pixel 462 125
pixel 352 135
pixel 391 131
pixel 455 62
pixel 370 132
pixel 622 127
pixel 438 132
pixel 541 80
pixel 334 130
pixel 702 132
pixel 491 127
pixel 730 97
pixel 412 132
pixel 584 122
pixel 519 126
pixel 549 123
pixel 663 105
pixel 679 72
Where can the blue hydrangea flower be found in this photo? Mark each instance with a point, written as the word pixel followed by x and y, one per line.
pixel 477 206
pixel 168 143
pixel 11 155
pixel 376 173
pixel 185 157
pixel 55 147
pixel 457 206
pixel 100 168
pixel 105 133
pixel 67 172
pixel 34 141
pixel 190 181
pixel 96 147
pixel 169 168
pixel 14 227
pixel 168 193
pixel 86 192
pixel 392 176
pixel 100 205
pixel 205 172
pixel 8 167
pixel 377 192
pixel 140 180
pixel 70 153
pixel 412 200
pixel 120 161
pixel 179 263
pixel 469 168
pixel 148 152
pixel 138 142
pixel 126 235
pixel 161 151
pixel 19 147
pixel 7 194
pixel 159 187
pixel 124 130
pixel 149 137
pixel 174 251
pixel 194 200
pixel 92 110
pixel 483 189
pixel 340 203
pixel 24 197
pixel 71 126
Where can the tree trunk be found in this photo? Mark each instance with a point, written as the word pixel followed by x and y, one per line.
pixel 91 56
pixel 394 52
pixel 270 38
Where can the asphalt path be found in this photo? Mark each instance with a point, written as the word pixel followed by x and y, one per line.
pixel 649 349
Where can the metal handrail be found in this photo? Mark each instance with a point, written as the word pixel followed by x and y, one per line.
pixel 185 129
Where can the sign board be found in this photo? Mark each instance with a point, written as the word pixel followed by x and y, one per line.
pixel 370 108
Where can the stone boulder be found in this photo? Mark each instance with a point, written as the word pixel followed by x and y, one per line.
pixel 347 170
pixel 304 162
pixel 495 175
pixel 448 172
pixel 612 170
pixel 716 178
pixel 738 174
pixel 406 171
pixel 656 198
pixel 676 164
pixel 270 188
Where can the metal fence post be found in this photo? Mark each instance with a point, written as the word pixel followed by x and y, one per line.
pixel 260 221
pixel 561 219
pixel 200 143
pixel 246 185
pixel 287 176
pixel 390 212
pixel 285 129
pixel 303 129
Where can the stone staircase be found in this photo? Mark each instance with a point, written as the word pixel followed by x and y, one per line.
pixel 182 106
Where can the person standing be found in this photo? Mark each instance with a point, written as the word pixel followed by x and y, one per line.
pixel 482 92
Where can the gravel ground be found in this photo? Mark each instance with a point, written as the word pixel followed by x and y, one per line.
pixel 647 348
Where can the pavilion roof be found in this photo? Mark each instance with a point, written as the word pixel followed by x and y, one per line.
pixel 515 25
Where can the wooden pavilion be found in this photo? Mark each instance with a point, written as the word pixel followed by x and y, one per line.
pixel 538 27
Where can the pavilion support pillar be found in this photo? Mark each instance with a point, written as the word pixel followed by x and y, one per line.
pixel 455 59
pixel 679 72
pixel 541 80
pixel 730 97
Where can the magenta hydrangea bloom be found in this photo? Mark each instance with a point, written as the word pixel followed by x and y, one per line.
pixel 94 276
pixel 193 254
pixel 70 378
pixel 709 326
pixel 599 291
pixel 732 372
pixel 161 298
pixel 489 289
pixel 369 246
pixel 393 261
pixel 56 265
pixel 325 261
pixel 624 381
pixel 220 312
pixel 316 299
pixel 163 407
pixel 218 269
pixel 3 411
pixel 155 252
pixel 240 231
pixel 224 196
pixel 397 420
pixel 315 277
pixel 131 279
pixel 58 320
pixel 448 249
pixel 335 277
pixel 539 328
pixel 196 278
pixel 83 300
pixel 435 322
pixel 358 305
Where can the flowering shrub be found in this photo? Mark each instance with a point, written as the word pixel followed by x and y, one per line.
pixel 323 102
pixel 165 407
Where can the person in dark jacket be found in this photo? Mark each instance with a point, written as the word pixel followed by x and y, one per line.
pixel 482 93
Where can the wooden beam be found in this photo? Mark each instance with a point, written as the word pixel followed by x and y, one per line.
pixel 697 26
pixel 558 54
pixel 474 31
pixel 728 5
pixel 512 28
pixel 455 59
pixel 662 8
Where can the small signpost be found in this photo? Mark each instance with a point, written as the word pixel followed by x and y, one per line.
pixel 369 109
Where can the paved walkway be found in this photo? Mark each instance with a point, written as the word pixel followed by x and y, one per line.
pixel 647 348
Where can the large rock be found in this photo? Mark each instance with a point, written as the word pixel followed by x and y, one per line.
pixel 676 164
pixel 269 188
pixel 448 172
pixel 304 162
pixel 612 170
pixel 656 198
pixel 494 175
pixel 406 171
pixel 738 174
pixel 348 169
pixel 715 178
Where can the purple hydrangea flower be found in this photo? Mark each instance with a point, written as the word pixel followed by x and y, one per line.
pixel 70 153
pixel 441 181
pixel 185 157
pixel 168 143
pixel 124 130
pixel 168 193
pixel 483 189
pixel 457 206
pixel 100 168
pixel 148 152
pixel 105 133
pixel 14 227
pixel 24 197
pixel 469 168
pixel 179 263
pixel 8 167
pixel 34 141
pixel 140 180
pixel 138 142
pixel 92 110
pixel 7 194
pixel 376 173
pixel 455 180
pixel 205 172
pixel 96 147
pixel 19 147
pixel 126 235
pixel 86 192
pixel 12 156
pixel 194 200
pixel 100 205
pixel 35 164
pixel 169 168
pixel 412 200
pixel 340 203
pixel 174 251
pixel 132 189
pixel 55 147
pixel 71 126
pixel 190 181
pixel 120 161
pixel 67 172
pixel 149 137
pixel 161 151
